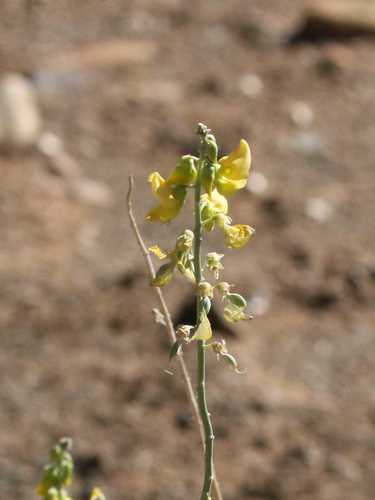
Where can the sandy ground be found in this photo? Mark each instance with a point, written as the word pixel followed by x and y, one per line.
pixel 81 354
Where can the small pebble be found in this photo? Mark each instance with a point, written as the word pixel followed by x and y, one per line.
pixel 318 209
pixel 301 114
pixel 258 183
pixel 92 192
pixel 259 303
pixel 50 144
pixel 20 118
pixel 309 144
pixel 251 85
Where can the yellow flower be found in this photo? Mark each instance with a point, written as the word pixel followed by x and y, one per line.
pixel 170 198
pixel 234 170
pixel 214 209
pixel 217 202
pixel 238 235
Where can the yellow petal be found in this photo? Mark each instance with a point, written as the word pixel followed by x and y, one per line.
pixel 238 235
pixel 204 331
pixel 170 198
pixel 162 214
pixel 234 169
pixel 219 202
pixel 156 250
pixel 156 181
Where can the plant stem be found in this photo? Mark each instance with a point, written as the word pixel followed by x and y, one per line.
pixel 201 354
pixel 170 327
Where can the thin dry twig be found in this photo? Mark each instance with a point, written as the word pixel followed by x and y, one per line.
pixel 169 324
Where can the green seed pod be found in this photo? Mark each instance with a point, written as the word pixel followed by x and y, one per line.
pixel 237 300
pixel 163 276
pixel 208 176
pixel 206 304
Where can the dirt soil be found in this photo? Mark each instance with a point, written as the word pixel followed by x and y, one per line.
pixel 80 352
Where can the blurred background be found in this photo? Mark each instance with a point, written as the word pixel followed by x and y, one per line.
pixel 93 91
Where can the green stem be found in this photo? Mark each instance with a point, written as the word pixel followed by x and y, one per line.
pixel 201 355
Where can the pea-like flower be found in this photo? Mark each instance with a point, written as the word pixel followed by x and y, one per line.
pixel 171 198
pixel 214 209
pixel 234 170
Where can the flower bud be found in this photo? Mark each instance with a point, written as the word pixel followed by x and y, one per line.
pixel 211 148
pixel 185 173
pixel 213 263
pixel 183 333
pixel 205 289
pixel 223 288
pixel 208 175
pixel 185 241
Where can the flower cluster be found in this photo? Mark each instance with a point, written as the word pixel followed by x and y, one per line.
pixel 214 180
pixel 58 474
pixel 220 179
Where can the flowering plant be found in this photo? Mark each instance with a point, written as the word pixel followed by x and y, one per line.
pixel 213 180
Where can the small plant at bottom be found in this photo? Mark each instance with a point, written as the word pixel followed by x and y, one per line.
pixel 213 181
pixel 58 474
